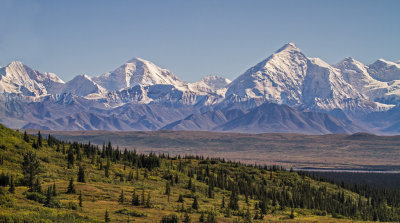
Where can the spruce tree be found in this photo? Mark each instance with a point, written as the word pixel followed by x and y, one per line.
pixel 210 191
pixel 106 217
pixel 176 179
pixel 80 199
pixel 135 199
pixel 37 187
pixel 167 189
pixel 233 202
pixel 26 138
pixel 12 185
pixel 81 174
pixel 195 204
pixel 190 184
pixel 54 190
pixel 30 168
pixel 180 199
pixel 148 201
pixel 107 169
pixel 35 145
pixel 71 187
pixel 40 140
pixel 202 218
pixel 121 198
pixel 48 197
pixel 143 198
pixel 70 158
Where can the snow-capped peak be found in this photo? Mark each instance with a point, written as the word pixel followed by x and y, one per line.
pixel 213 82
pixel 291 46
pixel 350 63
pixel 384 70
pixel 284 71
pixel 21 79
pixel 83 85
pixel 210 84
pixel 137 71
pixel 289 77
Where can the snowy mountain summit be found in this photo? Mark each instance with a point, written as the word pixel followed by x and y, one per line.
pixel 289 77
pixel 83 85
pixel 139 95
pixel 20 79
pixel 137 72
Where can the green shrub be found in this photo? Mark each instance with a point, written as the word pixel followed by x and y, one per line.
pixel 172 218
pixel 6 201
pixel 132 213
pixel 71 205
pixel 35 196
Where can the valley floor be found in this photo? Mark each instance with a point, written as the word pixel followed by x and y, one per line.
pixel 335 151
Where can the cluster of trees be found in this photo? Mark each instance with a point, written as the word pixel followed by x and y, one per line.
pixel 271 186
pixel 377 197
pixel 277 189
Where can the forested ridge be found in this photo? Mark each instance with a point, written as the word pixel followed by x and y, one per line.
pixel 43 178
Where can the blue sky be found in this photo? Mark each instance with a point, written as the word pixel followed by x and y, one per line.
pixel 192 38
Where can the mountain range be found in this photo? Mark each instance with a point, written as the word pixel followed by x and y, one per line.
pixel 286 92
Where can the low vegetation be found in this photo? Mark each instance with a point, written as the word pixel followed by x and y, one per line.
pixel 44 179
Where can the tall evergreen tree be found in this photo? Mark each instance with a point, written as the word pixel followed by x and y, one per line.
pixel 37 187
pixel 121 198
pixel 107 169
pixel 135 199
pixel 80 199
pixel 107 217
pixel 49 197
pixel 71 187
pixel 70 158
pixel 143 198
pixel 30 168
pixel 190 184
pixel 26 137
pixel 12 185
pixel 195 204
pixel 167 189
pixel 234 201
pixel 180 198
pixel 54 190
pixel 202 218
pixel 148 201
pixel 81 174
pixel 40 140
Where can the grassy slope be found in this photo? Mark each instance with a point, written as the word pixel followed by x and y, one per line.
pixel 100 193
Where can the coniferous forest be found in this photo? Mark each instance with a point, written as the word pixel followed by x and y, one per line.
pixel 43 179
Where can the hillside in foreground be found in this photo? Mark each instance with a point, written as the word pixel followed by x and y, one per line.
pixel 43 179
